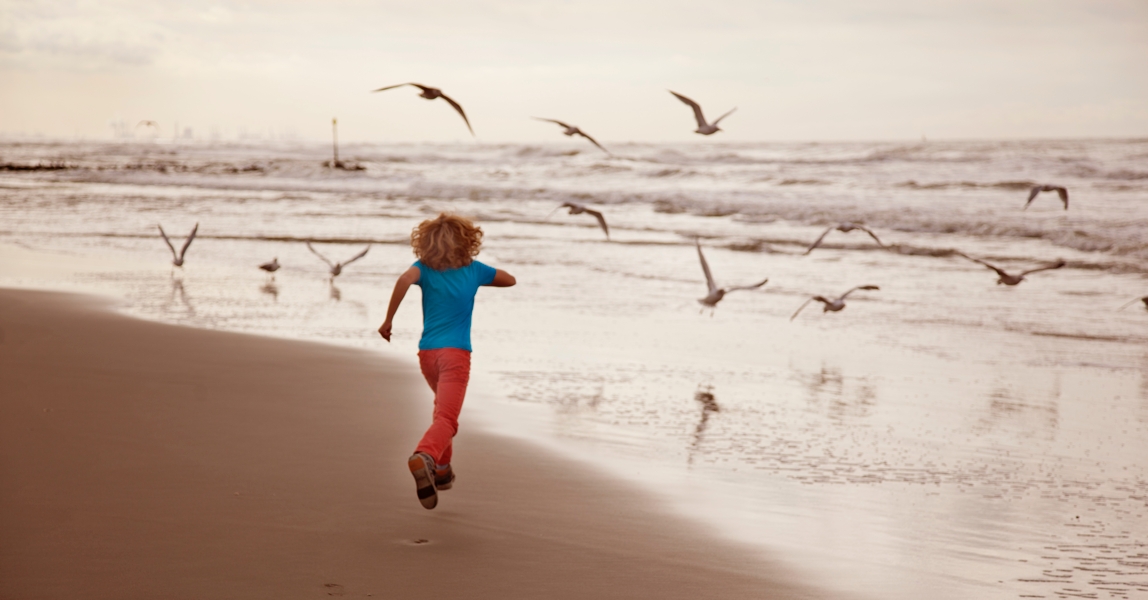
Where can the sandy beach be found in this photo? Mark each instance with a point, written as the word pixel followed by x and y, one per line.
pixel 144 460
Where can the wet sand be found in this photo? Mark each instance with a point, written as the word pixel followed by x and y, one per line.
pixel 143 460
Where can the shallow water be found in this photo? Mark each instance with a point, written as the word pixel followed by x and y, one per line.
pixel 942 437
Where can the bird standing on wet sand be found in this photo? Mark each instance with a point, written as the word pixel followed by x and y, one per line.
pixel 431 93
pixel 337 267
pixel 704 128
pixel 715 293
pixel 574 130
pixel 577 209
pixel 1143 299
pixel 1007 279
pixel 177 258
pixel 844 228
pixel 832 305
pixel 271 267
pixel 1060 191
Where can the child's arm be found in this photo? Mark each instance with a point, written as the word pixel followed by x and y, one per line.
pixel 411 276
pixel 503 279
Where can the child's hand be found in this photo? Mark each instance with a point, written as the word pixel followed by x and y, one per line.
pixel 385 330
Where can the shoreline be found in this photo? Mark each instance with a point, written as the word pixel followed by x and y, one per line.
pixel 144 459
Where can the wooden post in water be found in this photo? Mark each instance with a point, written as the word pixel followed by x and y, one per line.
pixel 335 142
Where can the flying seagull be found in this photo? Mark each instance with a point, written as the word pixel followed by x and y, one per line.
pixel 337 268
pixel 574 130
pixel 431 93
pixel 844 228
pixel 271 267
pixel 177 259
pixel 577 209
pixel 715 293
pixel 703 127
pixel 832 305
pixel 1134 301
pixel 148 123
pixel 1007 279
pixel 1060 191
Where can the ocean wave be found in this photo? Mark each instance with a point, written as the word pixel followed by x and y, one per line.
pixel 803 182
pixel 55 165
pixel 540 151
pixel 940 185
pixel 680 179
pixel 234 237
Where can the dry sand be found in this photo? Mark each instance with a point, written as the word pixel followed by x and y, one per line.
pixel 142 460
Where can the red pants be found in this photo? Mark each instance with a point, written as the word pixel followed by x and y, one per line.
pixel 447 371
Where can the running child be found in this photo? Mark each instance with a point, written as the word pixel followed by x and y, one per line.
pixel 449 277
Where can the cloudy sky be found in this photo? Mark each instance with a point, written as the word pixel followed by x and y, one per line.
pixel 796 70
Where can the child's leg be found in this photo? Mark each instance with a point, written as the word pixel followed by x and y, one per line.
pixel 447 371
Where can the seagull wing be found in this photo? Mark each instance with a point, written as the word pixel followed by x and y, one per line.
pixel 706 268
pixel 321 257
pixel 592 140
pixel 818 242
pixel 802 307
pixel 601 221
pixel 1063 193
pixel 161 232
pixel 860 287
pixel 872 235
pixel 694 105
pixel 724 116
pixel 391 87
pixel 552 121
pixel 981 262
pixel 747 287
pixel 1032 194
pixel 1058 264
pixel 356 257
pixel 1131 302
pixel 190 237
pixel 460 112
pixel 560 207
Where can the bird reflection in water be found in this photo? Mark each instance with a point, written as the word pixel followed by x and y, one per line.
pixel 270 289
pixel 828 381
pixel 336 294
pixel 178 297
pixel 704 396
pixel 1144 389
pixel 1026 411
pixel 840 398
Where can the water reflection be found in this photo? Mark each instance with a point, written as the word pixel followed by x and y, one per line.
pixel 829 391
pixel 1144 388
pixel 828 380
pixel 336 294
pixel 178 297
pixel 705 397
pixel 1018 413
pixel 270 289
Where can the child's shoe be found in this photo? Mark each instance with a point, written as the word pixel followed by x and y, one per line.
pixel 422 467
pixel 443 477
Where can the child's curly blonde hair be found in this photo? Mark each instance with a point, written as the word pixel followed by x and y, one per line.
pixel 446 242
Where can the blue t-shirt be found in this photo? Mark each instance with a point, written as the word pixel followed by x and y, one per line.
pixel 448 302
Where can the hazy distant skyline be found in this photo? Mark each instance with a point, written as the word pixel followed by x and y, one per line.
pixel 818 70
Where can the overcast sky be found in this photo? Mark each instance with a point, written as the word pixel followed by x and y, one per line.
pixel 796 70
